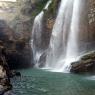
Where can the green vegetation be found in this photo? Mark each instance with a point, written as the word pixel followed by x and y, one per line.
pixel 39 6
pixel 53 7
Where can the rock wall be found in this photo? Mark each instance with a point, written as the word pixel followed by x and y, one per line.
pixel 91 24
pixel 91 17
pixel 16 20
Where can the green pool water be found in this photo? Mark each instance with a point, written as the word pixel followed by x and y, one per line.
pixel 40 82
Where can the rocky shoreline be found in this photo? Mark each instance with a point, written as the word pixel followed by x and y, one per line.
pixel 5 74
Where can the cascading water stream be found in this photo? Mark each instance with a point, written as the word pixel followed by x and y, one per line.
pixel 63 51
pixel 56 38
pixel 36 35
pixel 72 45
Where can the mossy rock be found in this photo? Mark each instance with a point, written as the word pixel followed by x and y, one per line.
pixel 88 56
pixel 85 64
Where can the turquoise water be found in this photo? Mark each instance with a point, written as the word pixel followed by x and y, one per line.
pixel 40 82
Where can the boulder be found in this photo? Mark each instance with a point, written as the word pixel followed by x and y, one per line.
pixel 85 64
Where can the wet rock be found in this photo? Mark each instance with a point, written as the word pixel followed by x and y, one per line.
pixel 5 84
pixel 85 64
pixel 15 73
pixel 8 93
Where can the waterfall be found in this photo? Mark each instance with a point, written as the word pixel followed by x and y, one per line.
pixel 36 35
pixel 72 44
pixel 67 40
pixel 63 48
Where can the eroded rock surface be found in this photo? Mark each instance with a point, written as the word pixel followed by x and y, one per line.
pixel 85 64
pixel 5 84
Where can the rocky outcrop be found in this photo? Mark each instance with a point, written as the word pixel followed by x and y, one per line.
pixel 18 53
pixel 5 84
pixel 5 73
pixel 85 64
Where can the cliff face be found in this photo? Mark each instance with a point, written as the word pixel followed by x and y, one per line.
pixel 16 20
pixel 91 17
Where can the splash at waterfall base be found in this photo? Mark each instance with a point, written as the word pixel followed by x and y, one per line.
pixel 62 66
pixel 81 65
